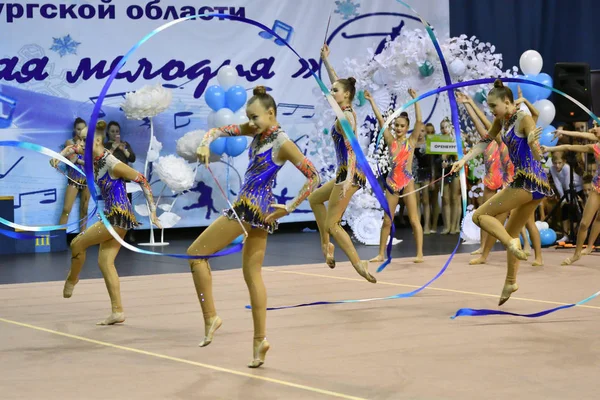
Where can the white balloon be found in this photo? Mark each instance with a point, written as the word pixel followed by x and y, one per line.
pixel 224 117
pixel 531 62
pixel 547 112
pixel 210 120
pixel 240 116
pixel 227 77
pixel 458 67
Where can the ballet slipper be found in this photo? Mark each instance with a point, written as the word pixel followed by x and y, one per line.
pixel 260 352
pixel 445 232
pixel 329 258
pixel 362 270
pixel 418 260
pixel 377 259
pixel 68 289
pixel 514 246
pixel 507 291
pixel 537 263
pixel 477 252
pixel 571 260
pixel 113 318
pixel 433 231
pixel 587 251
pixel 477 261
pixel 208 336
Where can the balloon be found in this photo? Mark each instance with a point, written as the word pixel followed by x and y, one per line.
pixel 541 225
pixel 238 240
pixel 480 96
pixel 227 76
pixel 514 86
pixel 547 112
pixel 530 92
pixel 531 62
pixel 210 120
pixel 235 98
pixel 236 145
pixel 426 69
pixel 360 98
pixel 215 97
pixel 217 146
pixel 547 137
pixel 544 79
pixel 224 117
pixel 458 67
pixel 528 239
pixel 548 237
pixel 240 117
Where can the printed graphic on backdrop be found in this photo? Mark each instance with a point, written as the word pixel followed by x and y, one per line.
pixel 60 53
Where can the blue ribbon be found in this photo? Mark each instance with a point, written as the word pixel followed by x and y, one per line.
pixel 88 156
pixel 463 311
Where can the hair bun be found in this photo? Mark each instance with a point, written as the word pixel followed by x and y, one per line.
pixel 498 83
pixel 404 114
pixel 101 125
pixel 352 81
pixel 259 90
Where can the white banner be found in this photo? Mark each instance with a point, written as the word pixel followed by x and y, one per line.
pixel 60 54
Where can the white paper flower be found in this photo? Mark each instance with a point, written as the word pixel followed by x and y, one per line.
pixel 470 232
pixel 366 227
pixel 155 148
pixel 189 143
pixel 175 172
pixel 146 102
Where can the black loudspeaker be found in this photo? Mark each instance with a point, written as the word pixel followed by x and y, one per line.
pixel 573 79
pixel 595 83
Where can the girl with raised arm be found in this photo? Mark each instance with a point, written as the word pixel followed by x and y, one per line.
pixel 529 186
pixel 401 149
pixel 270 149
pixel 349 178
pixel 592 204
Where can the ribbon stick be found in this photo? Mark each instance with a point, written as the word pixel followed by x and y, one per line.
pixel 229 202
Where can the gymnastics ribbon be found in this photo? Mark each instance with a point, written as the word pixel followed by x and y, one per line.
pixel 463 311
pixel 88 158
pixel 46 151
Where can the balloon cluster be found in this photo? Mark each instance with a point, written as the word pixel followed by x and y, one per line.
pixel 531 63
pixel 227 101
pixel 547 235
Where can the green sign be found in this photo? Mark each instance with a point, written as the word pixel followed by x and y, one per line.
pixel 440 144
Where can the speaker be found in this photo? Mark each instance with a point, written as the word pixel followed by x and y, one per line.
pixel 595 83
pixel 573 79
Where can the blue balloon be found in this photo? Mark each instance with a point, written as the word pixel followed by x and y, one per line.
pixel 218 146
pixel 531 92
pixel 235 98
pixel 544 79
pixel 548 237
pixel 236 145
pixel 215 97
pixel 547 137
pixel 238 240
pixel 513 86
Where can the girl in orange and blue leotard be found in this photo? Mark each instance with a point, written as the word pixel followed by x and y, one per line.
pixel 400 177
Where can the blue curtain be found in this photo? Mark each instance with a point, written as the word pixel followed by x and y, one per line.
pixel 560 30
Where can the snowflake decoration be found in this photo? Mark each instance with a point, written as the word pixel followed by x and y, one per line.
pixel 347 8
pixel 64 45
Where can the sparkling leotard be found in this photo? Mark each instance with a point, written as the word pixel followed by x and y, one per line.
pixel 529 174
pixel 399 175
pixel 342 147
pixel 255 199
pixel 493 179
pixel 596 179
pixel 117 207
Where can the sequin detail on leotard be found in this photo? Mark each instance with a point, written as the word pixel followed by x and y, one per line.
pixel 596 179
pixel 342 147
pixel 399 175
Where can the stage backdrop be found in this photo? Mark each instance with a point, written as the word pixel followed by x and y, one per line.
pixel 61 52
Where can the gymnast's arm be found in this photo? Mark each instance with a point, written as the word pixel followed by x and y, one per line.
pixel 290 152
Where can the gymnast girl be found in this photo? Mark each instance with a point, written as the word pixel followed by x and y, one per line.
pixel 400 177
pixel 349 178
pixel 76 182
pixel 257 213
pixel 528 187
pixel 592 204
pixel 499 172
pixel 110 175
